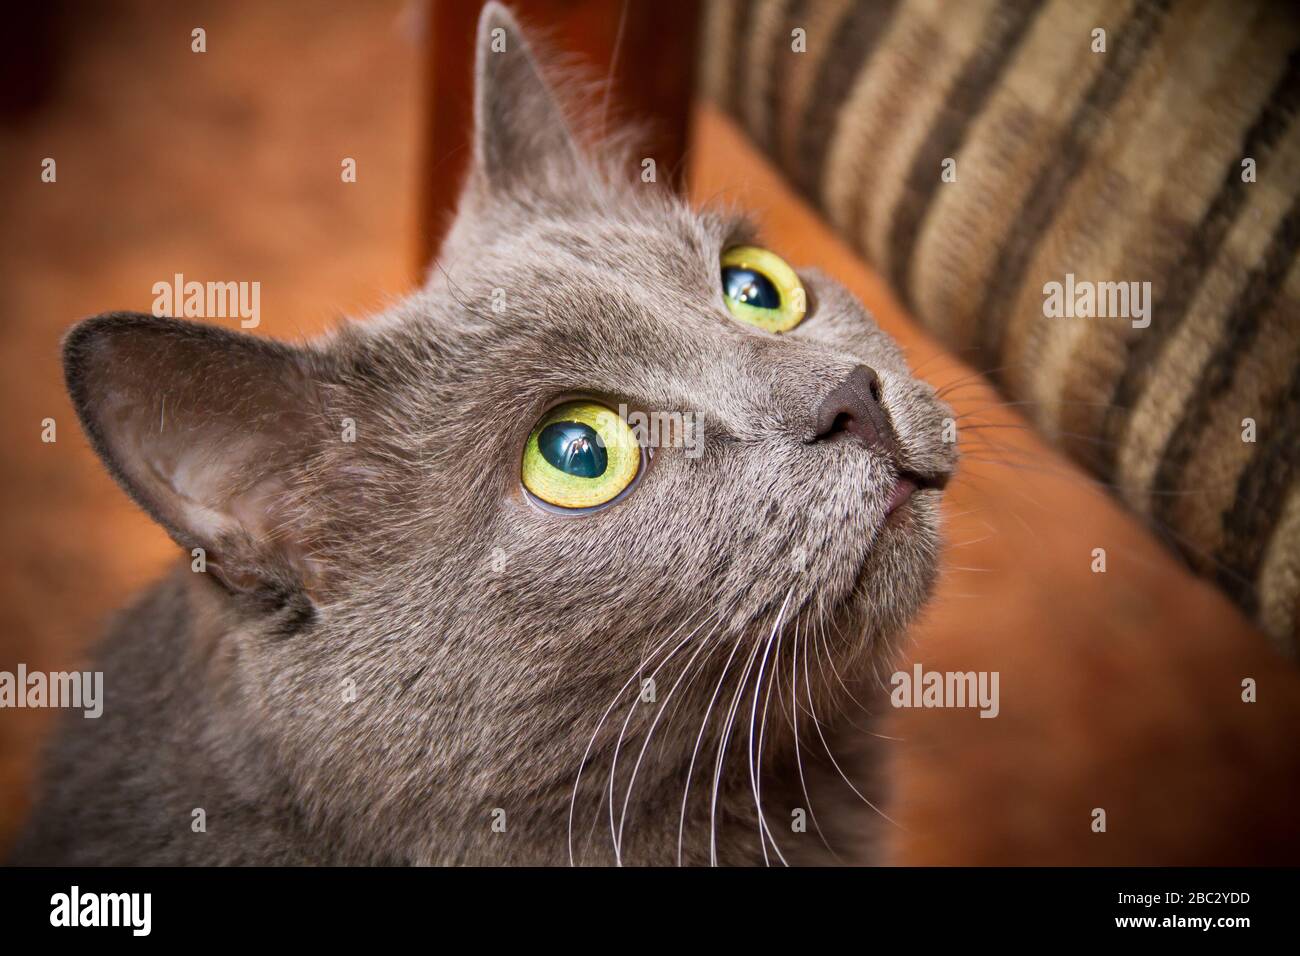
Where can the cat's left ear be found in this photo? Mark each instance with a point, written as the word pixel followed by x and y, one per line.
pixel 520 131
pixel 206 429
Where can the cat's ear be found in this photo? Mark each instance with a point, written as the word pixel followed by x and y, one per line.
pixel 519 128
pixel 203 427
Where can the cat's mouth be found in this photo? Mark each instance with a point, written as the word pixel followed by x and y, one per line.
pixel 906 485
pixel 901 494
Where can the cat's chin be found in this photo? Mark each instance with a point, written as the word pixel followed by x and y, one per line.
pixel 899 572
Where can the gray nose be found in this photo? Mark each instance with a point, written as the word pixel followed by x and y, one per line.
pixel 853 407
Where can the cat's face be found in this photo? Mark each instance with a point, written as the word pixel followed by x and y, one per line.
pixel 450 644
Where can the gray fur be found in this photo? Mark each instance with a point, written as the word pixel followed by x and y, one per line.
pixel 372 561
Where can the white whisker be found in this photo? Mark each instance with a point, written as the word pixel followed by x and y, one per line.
pixel 627 796
pixel 681 826
pixel 722 747
pixel 798 758
pixel 835 763
pixel 595 733
pixel 756 770
pixel 613 764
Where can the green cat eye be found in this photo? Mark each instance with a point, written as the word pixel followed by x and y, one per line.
pixel 761 290
pixel 580 455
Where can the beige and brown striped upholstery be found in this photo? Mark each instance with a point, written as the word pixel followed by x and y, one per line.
pixel 1122 165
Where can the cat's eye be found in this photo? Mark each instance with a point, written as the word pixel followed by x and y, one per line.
pixel 761 290
pixel 581 455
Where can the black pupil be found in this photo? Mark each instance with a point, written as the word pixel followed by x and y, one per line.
pixel 750 287
pixel 574 448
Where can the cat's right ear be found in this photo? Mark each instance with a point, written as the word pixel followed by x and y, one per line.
pixel 520 133
pixel 207 429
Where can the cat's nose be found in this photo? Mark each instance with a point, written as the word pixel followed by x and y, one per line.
pixel 853 408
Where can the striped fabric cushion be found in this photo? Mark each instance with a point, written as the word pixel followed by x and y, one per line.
pixel 977 152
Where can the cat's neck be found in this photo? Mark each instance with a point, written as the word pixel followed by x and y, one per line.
pixel 716 821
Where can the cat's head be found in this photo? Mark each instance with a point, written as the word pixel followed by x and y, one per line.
pixel 441 570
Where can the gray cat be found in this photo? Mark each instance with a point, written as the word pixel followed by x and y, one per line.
pixel 444 610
